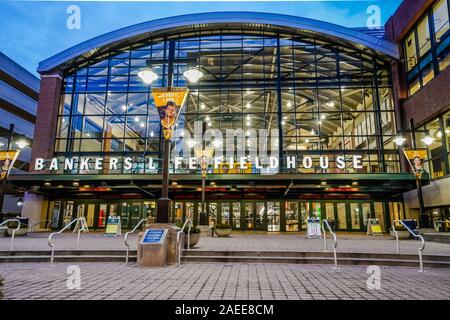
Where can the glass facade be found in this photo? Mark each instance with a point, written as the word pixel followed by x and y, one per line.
pixel 427 47
pixel 323 98
pixel 437 163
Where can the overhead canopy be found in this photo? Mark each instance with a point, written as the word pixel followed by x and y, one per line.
pixel 217 20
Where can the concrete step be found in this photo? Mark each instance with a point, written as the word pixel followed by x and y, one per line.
pixel 82 252
pixel 67 258
pixel 321 254
pixel 313 260
pixel 442 237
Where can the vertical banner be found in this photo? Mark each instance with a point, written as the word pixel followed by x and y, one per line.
pixel 416 158
pixel 7 159
pixel 169 101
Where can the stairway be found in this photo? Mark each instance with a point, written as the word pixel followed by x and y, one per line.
pixel 381 259
pixel 67 256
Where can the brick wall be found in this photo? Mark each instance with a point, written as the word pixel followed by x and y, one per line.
pixel 430 101
pixel 46 117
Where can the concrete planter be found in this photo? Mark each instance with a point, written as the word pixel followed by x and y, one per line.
pixel 194 238
pixel 402 234
pixel 3 231
pixel 20 232
pixel 223 232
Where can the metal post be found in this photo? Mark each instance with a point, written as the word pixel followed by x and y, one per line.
pixel 418 180
pixel 164 203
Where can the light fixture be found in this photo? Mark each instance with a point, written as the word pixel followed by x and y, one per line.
pixel 248 123
pixel 439 134
pixel 136 119
pixel 330 104
pixel 399 141
pixel 428 140
pixel 20 202
pixel 306 140
pixel 217 143
pixel 174 183
pixel 142 125
pixel 22 144
pixel 313 133
pixel 289 104
pixel 75 183
pixel 323 116
pixel 147 75
pixel 202 106
pixel 193 74
pixel 248 105
pixel 209 124
pixel 47 184
pixel 152 134
pixel 283 122
pixel 124 108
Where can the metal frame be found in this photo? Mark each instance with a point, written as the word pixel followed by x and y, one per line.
pixel 325 222
pixel 418 236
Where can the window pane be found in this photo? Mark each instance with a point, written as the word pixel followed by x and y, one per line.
pixel 441 23
pixel 411 54
pixel 423 34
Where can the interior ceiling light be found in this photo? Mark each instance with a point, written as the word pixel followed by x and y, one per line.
pixel 193 74
pixel 399 140
pixel 428 140
pixel 147 75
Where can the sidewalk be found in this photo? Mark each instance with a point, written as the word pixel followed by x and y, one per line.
pixel 236 242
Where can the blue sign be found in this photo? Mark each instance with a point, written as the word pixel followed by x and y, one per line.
pixel 153 236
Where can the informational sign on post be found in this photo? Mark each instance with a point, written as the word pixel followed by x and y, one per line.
pixel 374 228
pixel 153 235
pixel 113 227
pixel 313 228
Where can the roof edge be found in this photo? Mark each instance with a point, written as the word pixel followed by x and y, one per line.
pixel 358 38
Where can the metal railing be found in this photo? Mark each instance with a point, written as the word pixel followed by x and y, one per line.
pixel 421 248
pixel 52 245
pixel 188 239
pixel 13 232
pixel 34 223
pixel 126 238
pixel 325 222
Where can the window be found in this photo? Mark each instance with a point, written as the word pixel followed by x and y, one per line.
pixel 441 21
pixel 423 35
pixel 411 51
pixel 422 63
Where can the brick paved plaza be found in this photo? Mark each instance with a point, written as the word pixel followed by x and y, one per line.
pixel 221 281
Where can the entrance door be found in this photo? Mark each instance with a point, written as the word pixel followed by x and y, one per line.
pixel 236 211
pixel 249 215
pixel 355 213
pixel 291 212
pixel 273 216
pixel 226 213
pixel 341 216
pixel 261 216
pixel 212 213
pixel 135 213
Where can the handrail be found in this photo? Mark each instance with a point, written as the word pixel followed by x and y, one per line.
pixel 188 239
pixel 126 238
pixel 14 230
pixel 34 223
pixel 421 248
pixel 325 222
pixel 52 245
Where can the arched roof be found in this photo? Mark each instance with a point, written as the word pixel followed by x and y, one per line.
pixel 197 22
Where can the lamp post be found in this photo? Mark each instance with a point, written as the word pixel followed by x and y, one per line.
pixel 169 101
pixel 204 155
pixel 428 140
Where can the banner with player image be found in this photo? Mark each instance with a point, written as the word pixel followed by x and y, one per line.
pixel 7 159
pixel 416 158
pixel 169 102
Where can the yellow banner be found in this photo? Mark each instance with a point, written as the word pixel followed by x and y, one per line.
pixel 416 158
pixel 7 159
pixel 169 102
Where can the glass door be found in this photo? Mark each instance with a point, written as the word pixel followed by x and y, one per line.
pixel 178 213
pixel 355 213
pixel 291 211
pixel 261 216
pixel 124 215
pixel 212 213
pixel 236 215
pixel 341 216
pixel 304 214
pixel 102 215
pixel 249 215
pixel 135 214
pixel 226 214
pixel 190 211
pixel 273 216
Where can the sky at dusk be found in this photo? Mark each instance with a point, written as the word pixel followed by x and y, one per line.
pixel 32 31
